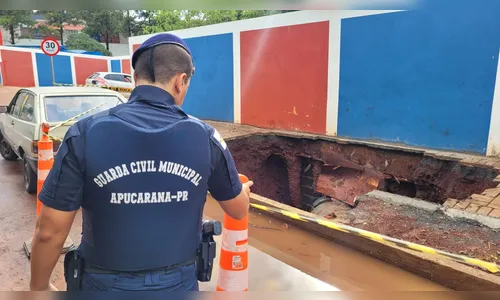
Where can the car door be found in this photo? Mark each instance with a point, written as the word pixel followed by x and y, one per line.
pixel 25 124
pixel 12 115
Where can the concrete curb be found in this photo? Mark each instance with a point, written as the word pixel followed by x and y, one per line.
pixel 493 223
pixel 490 222
pixel 417 203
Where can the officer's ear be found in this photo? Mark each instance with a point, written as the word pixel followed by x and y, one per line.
pixel 183 80
pixel 135 78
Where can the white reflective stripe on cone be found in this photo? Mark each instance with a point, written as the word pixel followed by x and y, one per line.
pixel 42 174
pixel 230 237
pixel 233 281
pixel 45 154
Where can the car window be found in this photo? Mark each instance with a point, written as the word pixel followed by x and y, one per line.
pixel 28 108
pixel 95 75
pixel 62 108
pixel 116 77
pixel 128 78
pixel 19 101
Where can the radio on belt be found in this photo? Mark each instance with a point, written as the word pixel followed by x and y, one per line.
pixel 207 250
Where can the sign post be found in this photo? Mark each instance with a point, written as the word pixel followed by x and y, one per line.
pixel 51 48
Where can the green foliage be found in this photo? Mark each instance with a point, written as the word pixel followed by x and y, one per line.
pixel 46 30
pixel 59 18
pixel 104 22
pixel 11 19
pixel 131 25
pixel 169 20
pixel 82 41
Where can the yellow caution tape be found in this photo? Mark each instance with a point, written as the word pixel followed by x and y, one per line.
pixel 117 89
pixel 69 120
pixel 491 267
pixel 76 117
pixel 53 138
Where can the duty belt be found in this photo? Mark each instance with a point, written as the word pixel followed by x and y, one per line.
pixel 91 269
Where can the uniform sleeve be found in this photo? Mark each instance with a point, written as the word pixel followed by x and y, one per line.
pixel 63 188
pixel 224 183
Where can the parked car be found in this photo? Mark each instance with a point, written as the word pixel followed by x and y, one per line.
pixel 21 120
pixel 119 80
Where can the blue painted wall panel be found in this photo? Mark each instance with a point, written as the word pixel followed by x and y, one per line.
pixel 423 77
pixel 116 66
pixel 62 69
pixel 211 93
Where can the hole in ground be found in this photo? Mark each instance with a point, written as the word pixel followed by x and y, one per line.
pixel 277 172
pixel 299 171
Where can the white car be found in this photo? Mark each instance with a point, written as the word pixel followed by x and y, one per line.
pixel 117 80
pixel 21 120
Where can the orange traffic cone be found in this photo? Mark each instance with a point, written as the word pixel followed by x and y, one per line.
pixel 45 163
pixel 233 262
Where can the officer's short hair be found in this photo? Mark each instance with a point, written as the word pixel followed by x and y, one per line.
pixel 168 61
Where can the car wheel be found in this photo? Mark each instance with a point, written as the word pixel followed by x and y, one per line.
pixel 30 179
pixel 6 150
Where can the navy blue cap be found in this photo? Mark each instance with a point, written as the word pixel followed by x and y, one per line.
pixel 156 40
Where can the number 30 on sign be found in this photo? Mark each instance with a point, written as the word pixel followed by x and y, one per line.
pixel 50 47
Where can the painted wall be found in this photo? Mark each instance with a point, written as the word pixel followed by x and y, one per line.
pixel 86 66
pixel 25 67
pixel 426 77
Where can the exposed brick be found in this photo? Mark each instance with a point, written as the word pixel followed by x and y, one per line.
pixel 462 205
pixel 482 198
pixel 484 211
pixel 496 201
pixel 495 213
pixel 472 208
pixel 494 206
pixel 479 203
pixel 491 192
pixel 450 203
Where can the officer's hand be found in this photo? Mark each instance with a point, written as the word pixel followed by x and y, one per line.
pixel 246 187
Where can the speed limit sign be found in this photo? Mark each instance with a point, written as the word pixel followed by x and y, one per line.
pixel 50 47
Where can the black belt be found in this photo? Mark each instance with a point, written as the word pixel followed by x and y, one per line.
pixel 91 269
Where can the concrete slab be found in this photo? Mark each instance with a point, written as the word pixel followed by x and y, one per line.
pixel 414 202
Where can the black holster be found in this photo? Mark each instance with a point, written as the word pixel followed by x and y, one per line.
pixel 73 271
pixel 207 250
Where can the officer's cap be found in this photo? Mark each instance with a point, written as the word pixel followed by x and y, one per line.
pixel 156 40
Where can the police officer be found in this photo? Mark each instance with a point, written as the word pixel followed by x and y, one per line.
pixel 140 172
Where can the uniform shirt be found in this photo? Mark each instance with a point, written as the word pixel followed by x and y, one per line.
pixel 149 107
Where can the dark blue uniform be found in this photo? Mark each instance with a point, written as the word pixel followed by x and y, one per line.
pixel 141 172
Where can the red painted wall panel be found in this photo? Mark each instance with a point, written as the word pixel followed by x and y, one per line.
pixel 17 69
pixel 284 77
pixel 84 67
pixel 134 47
pixel 126 66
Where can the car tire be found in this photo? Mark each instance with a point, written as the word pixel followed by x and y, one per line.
pixel 6 150
pixel 30 179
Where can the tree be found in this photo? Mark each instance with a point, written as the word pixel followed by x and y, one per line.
pixel 169 20
pixel 59 18
pixel 146 17
pixel 166 20
pixel 11 19
pixel 103 22
pixel 131 25
pixel 82 41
